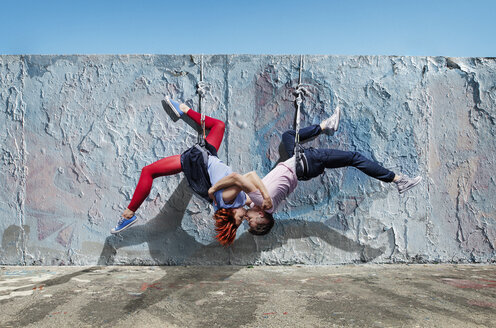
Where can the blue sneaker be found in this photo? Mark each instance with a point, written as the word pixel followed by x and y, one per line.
pixel 124 224
pixel 174 106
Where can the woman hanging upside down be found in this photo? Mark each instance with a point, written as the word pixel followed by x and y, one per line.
pixel 283 179
pixel 202 168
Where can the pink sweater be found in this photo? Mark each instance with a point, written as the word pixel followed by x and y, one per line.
pixel 280 182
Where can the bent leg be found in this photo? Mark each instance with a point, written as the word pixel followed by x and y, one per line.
pixel 217 128
pixel 288 137
pixel 165 166
pixel 320 159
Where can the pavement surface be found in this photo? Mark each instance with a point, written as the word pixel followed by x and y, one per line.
pixel 229 296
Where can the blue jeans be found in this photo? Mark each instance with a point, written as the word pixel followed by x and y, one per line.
pixel 321 159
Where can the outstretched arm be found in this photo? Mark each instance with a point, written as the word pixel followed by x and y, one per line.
pixel 232 185
pixel 255 179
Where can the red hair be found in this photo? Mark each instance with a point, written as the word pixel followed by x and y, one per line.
pixel 225 225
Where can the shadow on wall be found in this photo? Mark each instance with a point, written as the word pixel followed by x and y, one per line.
pixel 169 244
pixel 12 243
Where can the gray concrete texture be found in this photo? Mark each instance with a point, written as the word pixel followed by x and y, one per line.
pixel 368 295
pixel 75 132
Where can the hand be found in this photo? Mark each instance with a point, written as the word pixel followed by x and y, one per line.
pixel 267 203
pixel 211 194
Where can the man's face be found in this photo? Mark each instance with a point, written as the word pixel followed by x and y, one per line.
pixel 255 216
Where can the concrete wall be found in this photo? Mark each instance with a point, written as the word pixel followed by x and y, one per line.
pixel 75 132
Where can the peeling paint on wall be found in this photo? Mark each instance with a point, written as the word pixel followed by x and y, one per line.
pixel 75 132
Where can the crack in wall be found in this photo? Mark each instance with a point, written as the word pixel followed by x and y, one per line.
pixel 474 84
pixel 23 155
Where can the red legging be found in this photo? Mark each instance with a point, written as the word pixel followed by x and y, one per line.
pixel 172 165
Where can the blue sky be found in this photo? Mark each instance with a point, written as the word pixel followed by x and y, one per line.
pixel 417 28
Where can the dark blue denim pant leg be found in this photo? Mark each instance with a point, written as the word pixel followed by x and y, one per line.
pixel 321 159
pixel 288 137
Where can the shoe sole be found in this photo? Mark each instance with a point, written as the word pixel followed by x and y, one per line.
pixel 339 117
pixel 130 224
pixel 334 129
pixel 411 186
pixel 171 106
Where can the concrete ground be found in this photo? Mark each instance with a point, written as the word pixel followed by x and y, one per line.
pixel 290 296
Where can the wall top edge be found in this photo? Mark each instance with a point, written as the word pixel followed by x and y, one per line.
pixel 233 56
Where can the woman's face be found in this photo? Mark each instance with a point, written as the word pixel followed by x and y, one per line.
pixel 254 216
pixel 239 215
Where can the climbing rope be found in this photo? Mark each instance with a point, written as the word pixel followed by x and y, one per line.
pixel 300 159
pixel 201 89
pixel 299 93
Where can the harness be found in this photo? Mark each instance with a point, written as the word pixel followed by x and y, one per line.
pixel 194 161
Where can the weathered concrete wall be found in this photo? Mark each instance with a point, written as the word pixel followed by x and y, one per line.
pixel 75 132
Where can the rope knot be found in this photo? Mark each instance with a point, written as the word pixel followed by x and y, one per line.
pixel 299 93
pixel 302 90
pixel 202 88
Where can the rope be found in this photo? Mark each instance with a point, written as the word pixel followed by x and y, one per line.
pixel 300 91
pixel 201 89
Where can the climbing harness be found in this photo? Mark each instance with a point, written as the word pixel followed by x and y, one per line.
pixel 194 161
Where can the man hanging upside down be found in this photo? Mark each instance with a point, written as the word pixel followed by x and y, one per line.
pixel 283 179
